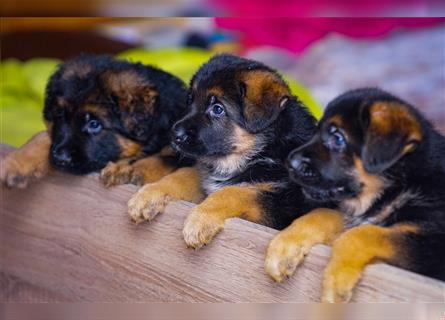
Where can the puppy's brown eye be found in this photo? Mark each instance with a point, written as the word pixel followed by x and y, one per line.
pixel 93 126
pixel 217 110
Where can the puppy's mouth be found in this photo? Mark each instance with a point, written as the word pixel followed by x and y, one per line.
pixel 184 150
pixel 198 150
pixel 175 146
pixel 320 194
pixel 80 169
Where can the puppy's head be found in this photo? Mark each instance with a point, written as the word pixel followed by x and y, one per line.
pixel 99 110
pixel 363 134
pixel 232 102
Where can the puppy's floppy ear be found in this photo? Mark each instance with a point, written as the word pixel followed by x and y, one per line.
pixel 391 131
pixel 136 98
pixel 264 96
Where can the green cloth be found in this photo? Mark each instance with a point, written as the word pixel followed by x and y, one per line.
pixel 22 87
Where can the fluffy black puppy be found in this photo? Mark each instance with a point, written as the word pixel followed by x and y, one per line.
pixel 242 123
pixel 383 165
pixel 97 110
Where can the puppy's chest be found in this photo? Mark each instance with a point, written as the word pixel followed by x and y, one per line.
pixel 259 170
pixel 212 183
pixel 382 212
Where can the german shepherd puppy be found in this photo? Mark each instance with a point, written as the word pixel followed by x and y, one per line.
pixel 383 165
pixel 242 123
pixel 98 110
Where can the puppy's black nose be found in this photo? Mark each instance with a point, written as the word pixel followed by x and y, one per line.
pixel 61 155
pixel 296 160
pixel 180 135
pixel 301 165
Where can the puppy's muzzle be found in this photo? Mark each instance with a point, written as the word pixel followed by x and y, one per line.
pixel 181 135
pixel 300 167
pixel 61 156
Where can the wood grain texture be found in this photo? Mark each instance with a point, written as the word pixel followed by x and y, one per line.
pixel 66 238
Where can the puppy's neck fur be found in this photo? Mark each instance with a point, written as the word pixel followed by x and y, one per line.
pixel 217 171
pixel 373 187
pixel 236 162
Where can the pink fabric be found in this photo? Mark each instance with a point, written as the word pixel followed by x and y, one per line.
pixel 296 34
pixel 326 8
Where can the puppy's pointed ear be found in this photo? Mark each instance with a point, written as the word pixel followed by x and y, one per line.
pixel 391 131
pixel 136 98
pixel 264 96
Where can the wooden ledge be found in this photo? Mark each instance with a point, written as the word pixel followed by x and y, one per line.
pixel 67 238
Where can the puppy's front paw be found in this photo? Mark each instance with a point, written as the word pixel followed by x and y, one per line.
pixel 17 174
pixel 116 173
pixel 283 256
pixel 338 283
pixel 148 202
pixel 200 228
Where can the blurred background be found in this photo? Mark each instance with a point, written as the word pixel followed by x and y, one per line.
pixel 224 8
pixel 320 57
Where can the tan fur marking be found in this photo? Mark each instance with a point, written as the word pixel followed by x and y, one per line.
pixel 246 145
pixel 353 251
pixel 391 207
pixel 49 126
pixel 130 87
pixel 405 227
pixel 121 81
pixel 336 120
pixel 207 219
pixel 388 117
pixel 151 199
pixel 28 162
pixel 244 141
pixel 61 102
pixel 289 247
pixel 95 109
pixel 408 148
pixel 80 69
pixel 264 186
pixel 260 82
pixel 263 93
pixel 129 148
pixel 373 186
pixel 216 91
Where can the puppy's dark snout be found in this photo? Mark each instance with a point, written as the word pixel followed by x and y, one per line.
pixel 61 155
pixel 181 134
pixel 301 165
pixel 297 161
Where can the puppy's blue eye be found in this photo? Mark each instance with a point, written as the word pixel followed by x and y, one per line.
pixel 338 140
pixel 217 110
pixel 93 126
